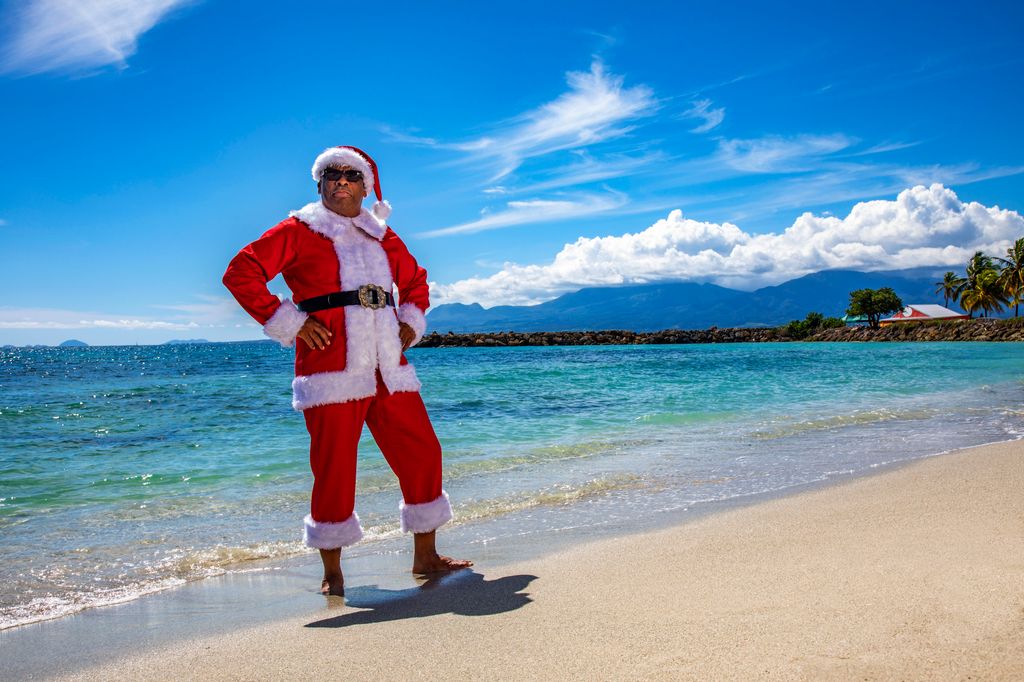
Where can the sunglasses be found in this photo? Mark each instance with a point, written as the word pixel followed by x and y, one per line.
pixel 334 174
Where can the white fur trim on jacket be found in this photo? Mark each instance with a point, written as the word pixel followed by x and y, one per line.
pixel 411 314
pixel 336 158
pixel 324 535
pixel 334 226
pixel 327 388
pixel 425 517
pixel 371 336
pixel 285 323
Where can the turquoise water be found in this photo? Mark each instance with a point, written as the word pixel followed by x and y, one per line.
pixel 125 470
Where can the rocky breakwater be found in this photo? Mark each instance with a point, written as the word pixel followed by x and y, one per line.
pixel 601 338
pixel 938 330
pixel 950 330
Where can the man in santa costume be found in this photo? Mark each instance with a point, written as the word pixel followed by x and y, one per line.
pixel 343 265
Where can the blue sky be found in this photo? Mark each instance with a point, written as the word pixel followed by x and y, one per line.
pixel 528 148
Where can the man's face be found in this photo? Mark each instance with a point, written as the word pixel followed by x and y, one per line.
pixel 341 195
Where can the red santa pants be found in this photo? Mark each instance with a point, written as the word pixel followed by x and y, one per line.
pixel 402 429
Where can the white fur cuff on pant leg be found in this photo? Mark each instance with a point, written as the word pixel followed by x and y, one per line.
pixel 425 517
pixel 332 535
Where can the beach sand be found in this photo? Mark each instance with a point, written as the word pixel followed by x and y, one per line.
pixel 913 573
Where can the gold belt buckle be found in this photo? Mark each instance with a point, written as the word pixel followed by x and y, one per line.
pixel 372 296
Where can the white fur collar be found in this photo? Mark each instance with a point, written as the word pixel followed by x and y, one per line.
pixel 332 225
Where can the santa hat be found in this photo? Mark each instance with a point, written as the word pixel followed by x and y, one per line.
pixel 336 157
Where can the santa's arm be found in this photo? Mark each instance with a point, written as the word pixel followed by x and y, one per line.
pixel 247 276
pixel 411 279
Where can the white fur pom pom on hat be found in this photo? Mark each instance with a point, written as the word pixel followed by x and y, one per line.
pixel 381 210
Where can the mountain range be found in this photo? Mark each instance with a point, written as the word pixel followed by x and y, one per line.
pixel 688 305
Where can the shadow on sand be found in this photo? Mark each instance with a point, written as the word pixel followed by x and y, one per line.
pixel 464 592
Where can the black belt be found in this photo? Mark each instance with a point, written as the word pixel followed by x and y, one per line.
pixel 367 296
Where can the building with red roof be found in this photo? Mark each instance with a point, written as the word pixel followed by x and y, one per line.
pixel 922 312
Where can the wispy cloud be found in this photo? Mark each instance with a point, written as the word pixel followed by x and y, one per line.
pixel 605 40
pixel 701 109
pixel 587 169
pixel 49 318
pixel 776 154
pixel 753 159
pixel 885 147
pixel 597 107
pixel 921 226
pixel 411 137
pixel 875 77
pixel 77 35
pixel 537 210
pixel 211 311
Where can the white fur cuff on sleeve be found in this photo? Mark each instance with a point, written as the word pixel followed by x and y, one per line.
pixel 410 314
pixel 285 323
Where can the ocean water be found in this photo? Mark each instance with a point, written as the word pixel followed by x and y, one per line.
pixel 126 470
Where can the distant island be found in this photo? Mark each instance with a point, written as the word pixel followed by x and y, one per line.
pixel 73 343
pixel 183 342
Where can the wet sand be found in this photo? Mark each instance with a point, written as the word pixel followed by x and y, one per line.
pixel 913 573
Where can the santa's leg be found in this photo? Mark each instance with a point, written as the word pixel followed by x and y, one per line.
pixel 401 427
pixel 332 522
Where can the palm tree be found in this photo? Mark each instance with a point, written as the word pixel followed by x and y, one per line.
pixel 977 266
pixel 986 295
pixel 1011 277
pixel 949 287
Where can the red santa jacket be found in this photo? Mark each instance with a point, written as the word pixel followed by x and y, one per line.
pixel 320 252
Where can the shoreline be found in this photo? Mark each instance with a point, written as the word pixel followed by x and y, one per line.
pixel 392 602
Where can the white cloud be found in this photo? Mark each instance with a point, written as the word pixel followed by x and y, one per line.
pixel 775 154
pixel 535 211
pixel 214 311
pixel 701 109
pixel 922 226
pixel 588 170
pixel 77 35
pixel 885 147
pixel 135 324
pixel 40 318
pixel 410 138
pixel 596 108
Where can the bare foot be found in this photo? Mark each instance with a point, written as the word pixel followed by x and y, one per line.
pixel 334 582
pixel 333 586
pixel 435 563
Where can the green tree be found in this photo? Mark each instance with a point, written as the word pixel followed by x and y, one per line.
pixel 814 322
pixel 1011 276
pixel 949 287
pixel 987 294
pixel 874 303
pixel 978 288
